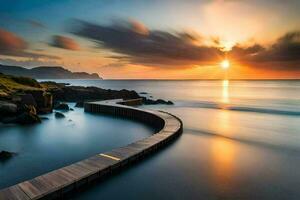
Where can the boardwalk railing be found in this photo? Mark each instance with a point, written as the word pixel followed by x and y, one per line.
pixel 58 183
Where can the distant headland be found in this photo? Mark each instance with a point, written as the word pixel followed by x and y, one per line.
pixel 46 72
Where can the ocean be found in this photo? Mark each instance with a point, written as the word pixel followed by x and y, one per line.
pixel 241 140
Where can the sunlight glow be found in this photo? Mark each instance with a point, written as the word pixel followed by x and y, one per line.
pixel 226 46
pixel 225 64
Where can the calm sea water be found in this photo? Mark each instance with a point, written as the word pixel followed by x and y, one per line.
pixel 241 140
pixel 56 143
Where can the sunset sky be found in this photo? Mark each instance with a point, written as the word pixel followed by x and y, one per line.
pixel 169 39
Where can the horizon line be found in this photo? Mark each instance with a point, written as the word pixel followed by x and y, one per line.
pixel 199 79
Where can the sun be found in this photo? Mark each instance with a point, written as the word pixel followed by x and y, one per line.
pixel 225 64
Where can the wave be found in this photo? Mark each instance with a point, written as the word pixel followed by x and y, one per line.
pixel 250 141
pixel 242 108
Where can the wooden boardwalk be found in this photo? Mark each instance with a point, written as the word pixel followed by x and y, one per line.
pixel 58 183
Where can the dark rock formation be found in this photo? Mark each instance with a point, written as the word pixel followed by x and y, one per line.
pixel 5 155
pixel 62 106
pixel 27 118
pixel 7 109
pixel 59 115
pixel 26 115
pixel 11 113
pixel 27 99
pixel 81 94
pixel 43 100
pixel 79 104
pixel 158 101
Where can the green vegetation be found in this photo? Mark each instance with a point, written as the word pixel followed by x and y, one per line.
pixel 11 84
pixel 26 81
pixel 51 85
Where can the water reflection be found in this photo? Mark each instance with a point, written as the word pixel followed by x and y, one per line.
pixel 224 125
pixel 225 93
pixel 223 161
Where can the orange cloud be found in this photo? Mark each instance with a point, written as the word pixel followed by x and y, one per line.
pixel 11 43
pixel 64 43
pixel 138 27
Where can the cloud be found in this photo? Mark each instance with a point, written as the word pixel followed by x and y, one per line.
pixel 286 48
pixel 113 65
pixel 64 43
pixel 147 47
pixel 284 53
pixel 13 45
pixel 135 43
pixel 138 27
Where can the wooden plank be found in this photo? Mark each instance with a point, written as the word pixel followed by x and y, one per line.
pixel 89 166
pixel 103 161
pixel 36 188
pixel 171 128
pixel 59 178
pixel 78 171
pixel 140 145
pixel 13 193
pixel 93 162
pixel 159 136
pixel 124 152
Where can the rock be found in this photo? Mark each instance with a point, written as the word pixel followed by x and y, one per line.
pixel 71 109
pixel 79 104
pixel 41 100
pixel 7 108
pixel 25 115
pixel 4 155
pixel 161 101
pixel 27 118
pixel 158 101
pixel 47 104
pixel 81 94
pixel 27 99
pixel 62 106
pixel 44 118
pixel 59 115
pixel 170 103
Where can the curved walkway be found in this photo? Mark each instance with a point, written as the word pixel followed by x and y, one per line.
pixel 59 182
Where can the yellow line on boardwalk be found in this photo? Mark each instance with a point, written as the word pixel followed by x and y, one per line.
pixel 108 156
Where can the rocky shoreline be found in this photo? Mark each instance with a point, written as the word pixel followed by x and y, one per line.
pixel 23 99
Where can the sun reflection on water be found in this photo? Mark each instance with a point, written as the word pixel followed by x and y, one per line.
pixel 223 162
pixel 225 92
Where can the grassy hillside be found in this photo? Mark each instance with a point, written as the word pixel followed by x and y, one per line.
pixel 11 84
